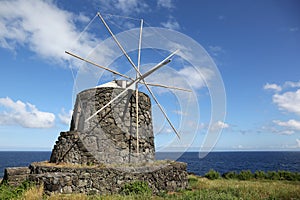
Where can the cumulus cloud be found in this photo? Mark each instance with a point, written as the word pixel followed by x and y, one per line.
pixel 273 87
pixel 194 78
pixel 219 125
pixel 276 129
pixel 165 4
pixel 215 50
pixel 291 124
pixel 291 84
pixel 65 117
pixel 288 101
pixel 46 29
pixel 24 114
pixel 171 23
pixel 298 142
pixel 280 88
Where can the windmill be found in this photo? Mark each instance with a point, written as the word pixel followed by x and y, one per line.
pixel 139 78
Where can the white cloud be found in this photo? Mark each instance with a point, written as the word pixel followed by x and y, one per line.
pixel 274 87
pixel 43 27
pixel 288 101
pixel 24 114
pixel 180 112
pixel 216 50
pixel 194 78
pixel 291 124
pixel 291 84
pixel 64 117
pixel 171 24
pixel 298 143
pixel 165 4
pixel 279 88
pixel 281 130
pixel 125 6
pixel 219 125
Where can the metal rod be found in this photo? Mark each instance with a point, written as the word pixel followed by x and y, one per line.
pixel 137 89
pixel 170 87
pixel 119 45
pixel 88 61
pixel 111 101
pixel 156 67
pixel 122 75
pixel 140 46
pixel 133 65
pixel 162 110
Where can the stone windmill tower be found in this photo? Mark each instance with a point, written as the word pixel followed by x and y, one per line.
pixel 109 137
pixel 110 141
pixel 112 123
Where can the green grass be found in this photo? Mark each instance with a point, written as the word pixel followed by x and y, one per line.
pixel 199 188
pixel 9 192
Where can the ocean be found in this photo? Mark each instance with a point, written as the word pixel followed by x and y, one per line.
pixel 219 161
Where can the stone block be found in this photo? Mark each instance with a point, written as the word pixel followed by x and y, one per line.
pixel 16 175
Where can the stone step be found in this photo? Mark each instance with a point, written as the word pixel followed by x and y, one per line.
pixel 15 176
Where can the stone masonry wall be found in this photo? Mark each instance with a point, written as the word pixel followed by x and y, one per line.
pixel 167 176
pixel 110 136
pixel 16 175
pixel 69 148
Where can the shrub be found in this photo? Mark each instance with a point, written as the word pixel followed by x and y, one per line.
pixel 272 175
pixel 297 175
pixel 245 175
pixel 289 176
pixel 10 192
pixel 260 175
pixel 212 174
pixel 230 175
pixel 137 187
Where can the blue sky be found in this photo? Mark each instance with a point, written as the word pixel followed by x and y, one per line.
pixel 255 45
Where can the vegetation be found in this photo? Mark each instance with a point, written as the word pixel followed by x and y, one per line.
pixel 10 192
pixel 232 185
pixel 212 174
pixel 137 187
pixel 258 175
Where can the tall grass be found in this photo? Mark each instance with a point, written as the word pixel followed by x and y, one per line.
pixel 33 193
pixel 199 188
pixel 260 175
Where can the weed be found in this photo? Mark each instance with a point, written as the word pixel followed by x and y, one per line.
pixel 212 174
pixel 137 187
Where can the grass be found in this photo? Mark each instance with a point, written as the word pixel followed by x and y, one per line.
pixel 91 165
pixel 199 188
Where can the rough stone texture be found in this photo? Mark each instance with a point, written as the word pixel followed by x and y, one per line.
pixel 110 136
pixel 16 175
pixel 167 176
pixel 69 148
pixel 100 156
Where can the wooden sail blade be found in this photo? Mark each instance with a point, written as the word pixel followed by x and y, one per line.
pixel 95 64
